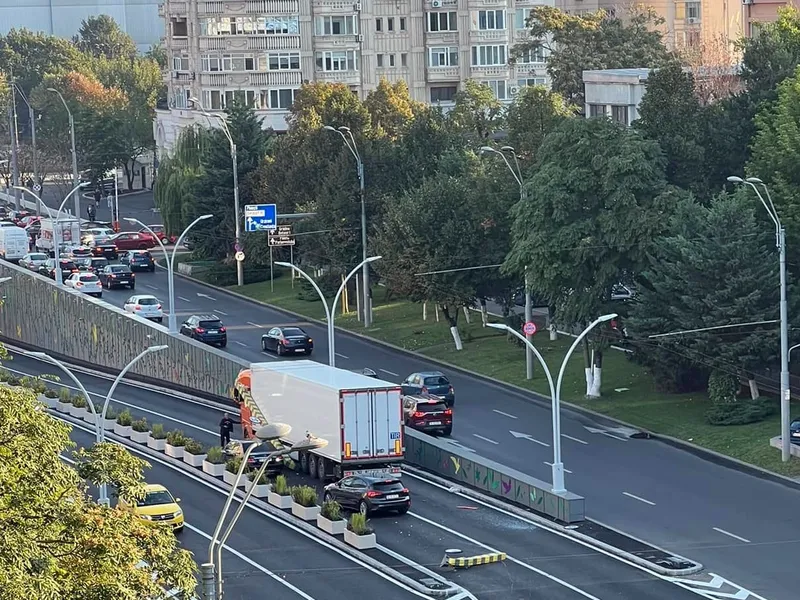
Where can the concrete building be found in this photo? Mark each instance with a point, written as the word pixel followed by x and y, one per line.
pixel 762 11
pixel 263 50
pixel 615 93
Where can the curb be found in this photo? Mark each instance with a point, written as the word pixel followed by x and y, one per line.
pixel 563 530
pixel 530 396
pixel 277 514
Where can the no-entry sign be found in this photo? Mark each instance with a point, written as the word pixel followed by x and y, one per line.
pixel 529 328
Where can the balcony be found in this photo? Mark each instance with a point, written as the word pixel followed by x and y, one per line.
pixel 443 74
pixel 335 6
pixel 441 38
pixel 250 42
pixel 346 77
pixel 252 79
pixel 249 7
pixel 336 42
pixel 493 72
pixel 529 70
pixel 488 35
pixel 182 76
pixel 173 8
pixel 177 43
pixel 522 35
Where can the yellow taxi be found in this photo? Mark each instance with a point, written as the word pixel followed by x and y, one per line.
pixel 158 507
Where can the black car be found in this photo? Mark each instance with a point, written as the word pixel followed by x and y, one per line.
pixel 434 383
pixel 138 260
pixel 794 434
pixel 258 456
pixel 106 250
pixel 114 276
pixel 205 328
pixel 428 413
pixel 68 267
pixel 92 264
pixel 287 340
pixel 367 494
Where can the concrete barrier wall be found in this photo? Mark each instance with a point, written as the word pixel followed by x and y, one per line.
pixel 66 323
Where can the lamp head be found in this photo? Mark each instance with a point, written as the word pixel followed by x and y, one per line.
pixel 4 279
pixel 204 217
pixel 497 326
pixel 280 263
pixel 608 317
pixel 373 259
pixel 734 179
pixel 753 180
pixel 37 355
pixel 310 442
pixel 485 149
pixel 507 149
pixel 194 100
pixel 84 184
pixel 54 90
pixel 130 219
pixel 328 128
pixel 157 348
pixel 345 129
pixel 273 431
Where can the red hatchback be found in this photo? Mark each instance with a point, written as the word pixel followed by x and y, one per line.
pixel 428 414
pixel 128 240
pixel 162 235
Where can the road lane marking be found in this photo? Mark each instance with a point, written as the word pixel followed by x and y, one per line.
pixel 184 299
pixel 574 439
pixel 152 287
pixel 255 325
pixel 733 535
pixel 505 414
pixel 342 356
pixel 524 565
pixel 389 373
pixel 525 436
pixel 639 499
pixel 216 310
pixel 485 439
pixel 551 466
pixel 612 436
pixel 241 343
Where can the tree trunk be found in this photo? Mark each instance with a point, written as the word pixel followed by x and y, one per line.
pixel 587 368
pixel 597 375
pixel 755 394
pixel 424 311
pixel 466 315
pixel 452 320
pixel 551 326
pixel 128 175
pixel 484 313
pixel 436 309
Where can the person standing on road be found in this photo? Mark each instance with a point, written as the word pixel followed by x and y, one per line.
pixel 90 209
pixel 225 430
pixel 109 203
pixel 97 194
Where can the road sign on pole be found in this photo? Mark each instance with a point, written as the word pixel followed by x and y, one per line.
pixel 260 217
pixel 529 328
pixel 282 235
pixel 240 256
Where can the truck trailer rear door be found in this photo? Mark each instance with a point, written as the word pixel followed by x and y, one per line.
pixel 372 424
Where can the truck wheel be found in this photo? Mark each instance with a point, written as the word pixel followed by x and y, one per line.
pixel 304 462
pixel 321 471
pixel 312 466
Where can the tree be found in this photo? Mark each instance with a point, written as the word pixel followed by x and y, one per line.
pixel 100 36
pixel 595 40
pixel 57 543
pixel 332 104
pixel 534 113
pixel 595 202
pixel 29 56
pixel 715 266
pixel 391 108
pixel 477 112
pixel 713 66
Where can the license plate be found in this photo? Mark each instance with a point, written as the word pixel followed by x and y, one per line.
pixel 392 496
pixel 435 423
pixel 123 281
pixel 300 350
pixel 213 331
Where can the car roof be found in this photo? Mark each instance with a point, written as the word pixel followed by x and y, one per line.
pixel 139 296
pixel 207 317
pixel 154 487
pixel 429 374
pixel 378 478
pixel 425 398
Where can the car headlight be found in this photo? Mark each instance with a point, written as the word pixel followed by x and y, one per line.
pixel 177 514
pixel 145 517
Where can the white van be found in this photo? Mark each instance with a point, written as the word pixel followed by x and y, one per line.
pixel 14 243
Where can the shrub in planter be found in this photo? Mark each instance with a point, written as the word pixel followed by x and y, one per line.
pixel 123 425
pixel 110 419
pixel 214 462
pixel 64 400
pixel 158 437
pixel 176 440
pixel 358 533
pixel 49 397
pixel 140 431
pixel 14 381
pixel 4 375
pixel 261 487
pixel 193 453
pixel 232 470
pixel 78 408
pixel 330 518
pixel 304 502
pixel 280 495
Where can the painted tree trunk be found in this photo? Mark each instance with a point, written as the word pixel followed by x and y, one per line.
pixel 587 368
pixel 597 375
pixel 436 309
pixel 755 394
pixel 466 315
pixel 424 311
pixel 551 326
pixel 484 312
pixel 452 320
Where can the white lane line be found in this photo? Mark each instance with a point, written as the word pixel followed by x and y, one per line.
pixel 184 299
pixel 733 535
pixel 522 564
pixel 216 310
pixel 152 287
pixel 551 465
pixel 254 564
pixel 639 499
pixel 485 439
pixel 505 414
pixel 389 373
pixel 613 437
pixel 255 325
pixel 574 439
pixel 241 343
pixel 342 356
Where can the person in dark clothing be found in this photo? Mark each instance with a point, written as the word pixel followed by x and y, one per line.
pixel 97 195
pixel 225 430
pixel 91 212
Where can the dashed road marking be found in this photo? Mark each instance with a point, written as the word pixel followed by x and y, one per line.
pixel 639 499
pixel 485 439
pixel 389 372
pixel 574 439
pixel 241 343
pixel 505 414
pixel 152 287
pixel 184 299
pixel 342 356
pixel 255 325
pixel 733 535
pixel 218 311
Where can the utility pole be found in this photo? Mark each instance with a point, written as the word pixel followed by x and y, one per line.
pixel 32 119
pixel 14 161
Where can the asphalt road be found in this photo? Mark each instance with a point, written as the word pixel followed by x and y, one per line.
pixel 540 564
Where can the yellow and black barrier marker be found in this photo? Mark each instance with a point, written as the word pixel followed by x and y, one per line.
pixel 472 561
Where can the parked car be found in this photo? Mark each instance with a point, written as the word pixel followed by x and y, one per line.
pixel 287 340
pixel 129 240
pixel 88 283
pixel 92 264
pixel 161 233
pixel 68 267
pixel 795 431
pixel 33 260
pixel 158 508
pixel 117 276
pixel 428 413
pixel 369 494
pixel 145 306
pixel 96 235
pixel 257 456
pixel 138 260
pixel 434 383
pixel 205 328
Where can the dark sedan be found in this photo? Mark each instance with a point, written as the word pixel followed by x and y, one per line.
pixel 106 249
pixel 92 265
pixel 795 431
pixel 258 456
pixel 138 260
pixel 287 340
pixel 114 276
pixel 369 494
pixel 68 267
pixel 434 383
pixel 205 328
pixel 428 413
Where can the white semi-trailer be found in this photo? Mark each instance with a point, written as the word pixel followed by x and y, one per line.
pixel 360 417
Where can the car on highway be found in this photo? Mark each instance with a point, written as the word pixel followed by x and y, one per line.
pixel 68 267
pixel 114 276
pixel 369 495
pixel 76 251
pixel 88 283
pixel 96 235
pixel 428 413
pixel 795 431
pixel 287 340
pixel 430 382
pixel 138 260
pixel 258 456
pixel 106 249
pixel 205 328
pixel 92 264
pixel 158 508
pixel 132 240
pixel 33 260
pixel 161 234
pixel 146 306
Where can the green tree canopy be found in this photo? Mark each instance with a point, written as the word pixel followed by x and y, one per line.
pixel 534 113
pixel 29 56
pixel 477 114
pixel 100 36
pixel 391 108
pixel 332 104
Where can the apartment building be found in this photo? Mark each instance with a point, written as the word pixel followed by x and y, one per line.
pixel 757 12
pixel 263 50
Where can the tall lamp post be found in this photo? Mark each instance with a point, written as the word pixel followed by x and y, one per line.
pixel 350 142
pixel 780 242
pixel 555 393
pixel 32 119
pixel 75 177
pixel 235 161
pixel 330 310
pixel 172 320
pixel 99 432
pixel 516 172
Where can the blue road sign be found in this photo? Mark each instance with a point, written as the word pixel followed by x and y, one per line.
pixel 260 217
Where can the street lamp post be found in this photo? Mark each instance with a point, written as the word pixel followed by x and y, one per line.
pixel 350 142
pixel 555 393
pixel 32 119
pixel 234 159
pixel 74 151
pixel 780 242
pixel 330 310
pixel 172 320
pixel 516 172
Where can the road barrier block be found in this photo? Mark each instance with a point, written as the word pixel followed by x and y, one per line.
pixel 471 561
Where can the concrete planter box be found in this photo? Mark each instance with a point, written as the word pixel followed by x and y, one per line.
pixel 279 501
pixel 77 412
pixel 49 402
pixel 307 513
pixel 123 430
pixel 108 424
pixel 173 451
pixel 62 407
pixel 140 437
pixel 332 527
pixel 231 477
pixel 360 542
pixel 156 444
pixel 195 460
pixel 89 417
pixel 217 470
pixel 261 490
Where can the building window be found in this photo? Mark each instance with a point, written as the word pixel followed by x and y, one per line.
pixel 490 19
pixel 246 97
pixel 238 62
pixel 693 11
pixel 597 110
pixel 180 63
pixel 380 60
pixel 250 26
pixel 179 28
pixel 391 60
pixel 402 23
pixel 390 24
pixel 691 39
pixel 498 88
pixel 211 64
pixel 404 60
pixel 212 100
pixel 343 60
pixel 619 114
pixel 180 98
pixel 442 21
pixel 487 56
pixel 443 94
pixel 531 81
pixel 283 61
pixel 521 17
pixel 531 56
pixel 379 25
pixel 281 99
pixel 341 25
pixel 443 57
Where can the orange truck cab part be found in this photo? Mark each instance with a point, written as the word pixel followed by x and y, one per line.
pixel 248 414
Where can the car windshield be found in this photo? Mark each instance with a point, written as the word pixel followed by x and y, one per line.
pixel 156 498
pixel 67 264
pixel 210 324
pixel 141 256
pixel 429 407
pixel 293 331
pixel 438 380
pixel 147 301
pixel 119 269
pixel 387 486
pixel 89 278
pixel 38 257
pixel 84 262
pixel 98 263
